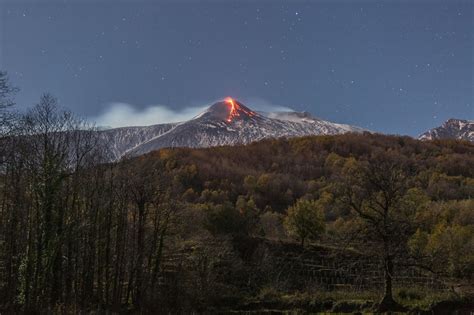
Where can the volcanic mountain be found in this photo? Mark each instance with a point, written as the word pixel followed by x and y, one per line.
pixel 452 129
pixel 227 122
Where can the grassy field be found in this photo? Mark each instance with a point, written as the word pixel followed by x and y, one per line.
pixel 417 300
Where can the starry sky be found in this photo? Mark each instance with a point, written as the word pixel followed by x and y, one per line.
pixel 396 67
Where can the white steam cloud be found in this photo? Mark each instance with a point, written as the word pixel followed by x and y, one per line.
pixel 122 115
pixel 262 105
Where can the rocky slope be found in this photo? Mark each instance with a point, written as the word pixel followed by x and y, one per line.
pixel 452 129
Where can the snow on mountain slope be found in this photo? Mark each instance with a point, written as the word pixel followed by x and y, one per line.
pixel 452 129
pixel 305 117
pixel 225 123
pixel 121 140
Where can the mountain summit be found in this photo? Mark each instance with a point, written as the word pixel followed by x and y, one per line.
pixel 228 110
pixel 451 129
pixel 227 122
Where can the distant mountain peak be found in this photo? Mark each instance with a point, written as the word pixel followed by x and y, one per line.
pixel 452 128
pixel 457 122
pixel 228 110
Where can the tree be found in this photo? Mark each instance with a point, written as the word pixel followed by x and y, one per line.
pixel 444 240
pixel 305 220
pixel 6 93
pixel 145 187
pixel 6 118
pixel 376 191
pixel 54 146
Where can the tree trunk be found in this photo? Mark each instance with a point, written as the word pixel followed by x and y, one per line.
pixel 140 252
pixel 388 303
pixel 388 272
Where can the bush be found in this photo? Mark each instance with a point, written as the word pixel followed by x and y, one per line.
pixel 269 294
pixel 410 294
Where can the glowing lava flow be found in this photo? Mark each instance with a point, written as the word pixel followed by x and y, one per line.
pixel 234 110
pixel 232 113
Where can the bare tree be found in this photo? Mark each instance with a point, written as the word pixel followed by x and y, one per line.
pixel 375 190
pixel 6 94
pixel 7 91
pixel 55 145
pixel 145 188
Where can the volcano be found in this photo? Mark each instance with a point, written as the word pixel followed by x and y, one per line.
pixel 227 122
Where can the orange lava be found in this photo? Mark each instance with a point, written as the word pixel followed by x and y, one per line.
pixel 234 110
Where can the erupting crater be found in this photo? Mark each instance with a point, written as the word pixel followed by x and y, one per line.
pixel 229 111
pixel 236 109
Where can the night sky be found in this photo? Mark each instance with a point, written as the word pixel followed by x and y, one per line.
pixel 390 66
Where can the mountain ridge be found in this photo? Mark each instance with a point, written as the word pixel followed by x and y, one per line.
pixel 227 122
pixel 453 128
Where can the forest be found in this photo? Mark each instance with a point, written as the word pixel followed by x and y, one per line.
pixel 354 222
